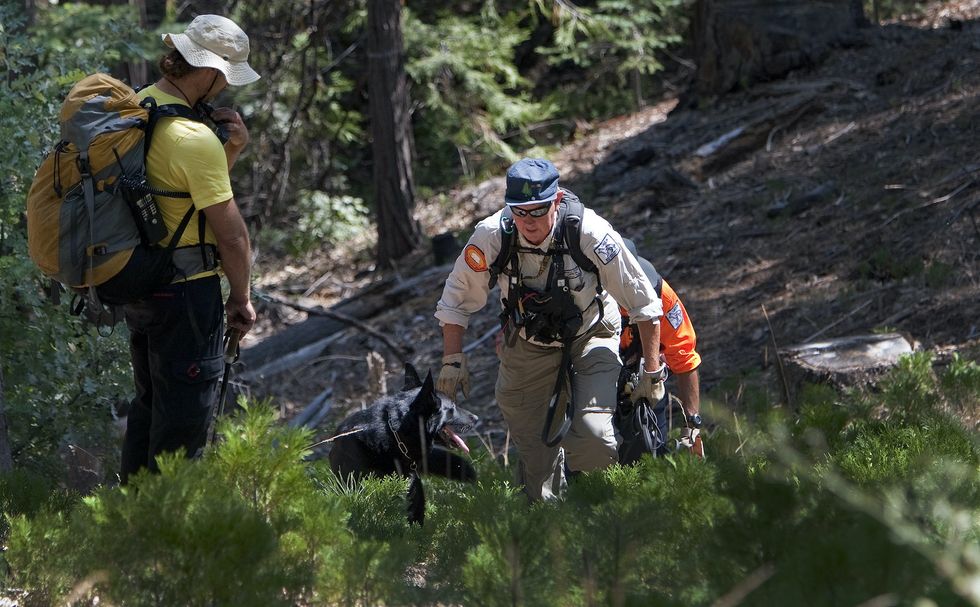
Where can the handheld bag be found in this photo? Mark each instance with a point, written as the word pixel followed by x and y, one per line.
pixel 89 208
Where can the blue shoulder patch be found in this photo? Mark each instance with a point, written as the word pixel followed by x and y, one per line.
pixel 675 316
pixel 607 249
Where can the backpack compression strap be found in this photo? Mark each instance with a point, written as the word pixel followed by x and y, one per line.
pixel 573 236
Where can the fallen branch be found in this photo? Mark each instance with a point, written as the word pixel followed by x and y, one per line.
pixel 779 359
pixel 932 202
pixel 311 410
pixel 289 361
pixel 399 351
pixel 363 305
pixel 756 133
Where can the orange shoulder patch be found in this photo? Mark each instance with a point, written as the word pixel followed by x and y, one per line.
pixel 475 258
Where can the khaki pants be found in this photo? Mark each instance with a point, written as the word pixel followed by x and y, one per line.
pixel 524 388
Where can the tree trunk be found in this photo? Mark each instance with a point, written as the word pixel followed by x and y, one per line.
pixel 738 42
pixel 139 69
pixel 30 13
pixel 6 457
pixel 844 362
pixel 398 232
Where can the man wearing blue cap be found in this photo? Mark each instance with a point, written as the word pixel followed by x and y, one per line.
pixel 561 324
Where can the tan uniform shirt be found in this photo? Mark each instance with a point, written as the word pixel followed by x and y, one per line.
pixel 623 280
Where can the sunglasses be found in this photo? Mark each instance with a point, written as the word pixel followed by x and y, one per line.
pixel 535 212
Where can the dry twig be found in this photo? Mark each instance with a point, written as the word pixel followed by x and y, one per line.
pixel 399 351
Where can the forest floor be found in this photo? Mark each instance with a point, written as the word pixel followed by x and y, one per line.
pixel 848 205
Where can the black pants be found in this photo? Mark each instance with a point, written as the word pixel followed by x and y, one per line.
pixel 175 345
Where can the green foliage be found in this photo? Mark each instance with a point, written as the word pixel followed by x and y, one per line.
pixel 67 398
pixel 619 43
pixel 876 452
pixel 621 550
pixel 515 556
pixel 885 264
pixel 382 548
pixel 939 275
pixel 244 526
pixel 252 523
pixel 306 115
pixel 961 382
pixel 80 37
pixel 23 493
pixel 486 81
pixel 470 92
pixel 911 388
pixel 323 219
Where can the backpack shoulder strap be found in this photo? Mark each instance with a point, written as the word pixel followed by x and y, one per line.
pixel 167 110
pixel 572 222
pixel 508 241
pixel 171 110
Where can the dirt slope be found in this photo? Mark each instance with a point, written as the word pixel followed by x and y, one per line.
pixel 848 203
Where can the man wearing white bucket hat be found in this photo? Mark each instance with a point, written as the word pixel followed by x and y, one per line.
pixel 176 332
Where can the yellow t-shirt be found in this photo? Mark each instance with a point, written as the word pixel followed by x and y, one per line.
pixel 186 156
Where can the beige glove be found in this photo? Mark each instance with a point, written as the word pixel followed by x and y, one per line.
pixel 649 385
pixel 453 376
pixel 691 440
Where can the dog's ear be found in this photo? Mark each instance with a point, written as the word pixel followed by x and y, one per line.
pixel 411 377
pixel 426 401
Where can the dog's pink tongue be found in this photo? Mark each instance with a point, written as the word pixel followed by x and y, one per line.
pixel 455 438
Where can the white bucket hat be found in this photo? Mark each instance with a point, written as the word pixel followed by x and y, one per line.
pixel 215 41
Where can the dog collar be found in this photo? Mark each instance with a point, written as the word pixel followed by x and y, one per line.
pixel 402 447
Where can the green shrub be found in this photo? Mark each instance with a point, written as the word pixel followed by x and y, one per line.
pixel 24 493
pixel 321 219
pixel 645 531
pixel 876 452
pixel 373 566
pixel 849 501
pixel 179 538
pixel 961 382
pixel 61 379
pixel 910 388
pixel 242 526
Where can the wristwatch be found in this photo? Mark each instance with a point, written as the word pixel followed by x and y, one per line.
pixel 694 419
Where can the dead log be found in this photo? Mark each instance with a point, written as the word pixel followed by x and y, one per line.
pixel 293 360
pixel 373 300
pixel 399 351
pixel 846 362
pixel 313 412
pixel 737 142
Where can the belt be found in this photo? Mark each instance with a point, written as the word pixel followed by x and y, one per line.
pixel 195 259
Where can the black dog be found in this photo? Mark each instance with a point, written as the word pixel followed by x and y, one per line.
pixel 396 435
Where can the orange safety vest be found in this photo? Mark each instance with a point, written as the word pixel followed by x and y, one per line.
pixel 677 337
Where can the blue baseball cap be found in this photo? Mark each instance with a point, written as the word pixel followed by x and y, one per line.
pixel 531 180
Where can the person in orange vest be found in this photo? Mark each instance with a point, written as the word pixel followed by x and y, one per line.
pixel 678 342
